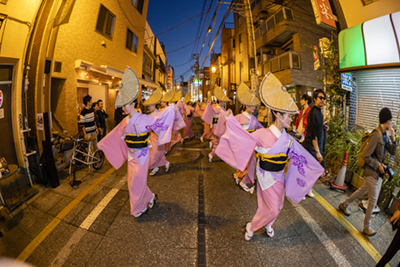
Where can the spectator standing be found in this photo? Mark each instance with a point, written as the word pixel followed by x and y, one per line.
pixel 231 106
pixel 88 123
pixel 119 115
pixel 374 155
pixel 315 138
pixel 301 121
pixel 102 115
pixel 263 116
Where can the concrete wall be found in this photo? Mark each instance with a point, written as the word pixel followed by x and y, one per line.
pixel 15 33
pixel 78 40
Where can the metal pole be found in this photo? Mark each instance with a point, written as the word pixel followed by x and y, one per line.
pixel 252 46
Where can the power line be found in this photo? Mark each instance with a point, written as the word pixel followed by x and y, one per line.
pixel 175 66
pixel 198 29
pixel 186 21
pixel 219 29
pixel 169 52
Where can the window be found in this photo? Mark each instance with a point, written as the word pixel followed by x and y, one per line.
pixel 279 16
pixel 233 42
pixel 138 4
pixel 240 44
pixel 105 22
pixel 131 41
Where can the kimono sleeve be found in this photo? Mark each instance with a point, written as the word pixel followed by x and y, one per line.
pixel 221 124
pixel 163 124
pixel 114 148
pixel 179 122
pixel 303 171
pixel 208 114
pixel 236 145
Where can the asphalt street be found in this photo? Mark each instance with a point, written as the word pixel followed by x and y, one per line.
pixel 198 221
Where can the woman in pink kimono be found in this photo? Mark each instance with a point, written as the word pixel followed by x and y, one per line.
pixel 129 140
pixel 211 116
pixel 249 123
pixel 275 150
pixel 157 153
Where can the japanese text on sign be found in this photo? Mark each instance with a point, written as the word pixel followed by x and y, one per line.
pixel 347 81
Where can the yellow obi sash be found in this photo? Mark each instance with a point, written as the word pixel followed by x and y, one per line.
pixel 137 141
pixel 250 130
pixel 273 163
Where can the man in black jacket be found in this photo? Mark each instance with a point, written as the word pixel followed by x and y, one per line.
pixel 314 141
pixel 381 140
pixel 102 115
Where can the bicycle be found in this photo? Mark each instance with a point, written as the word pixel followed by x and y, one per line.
pixel 82 154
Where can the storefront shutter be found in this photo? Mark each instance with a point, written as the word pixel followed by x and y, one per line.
pixel 376 89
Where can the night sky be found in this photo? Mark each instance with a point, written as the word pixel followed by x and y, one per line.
pixel 163 15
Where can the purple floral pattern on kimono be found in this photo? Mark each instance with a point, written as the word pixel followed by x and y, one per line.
pixel 262 171
pixel 157 126
pixel 299 162
pixel 143 153
pixel 300 182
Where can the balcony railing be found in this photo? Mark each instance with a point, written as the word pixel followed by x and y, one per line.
pixel 288 60
pixel 284 13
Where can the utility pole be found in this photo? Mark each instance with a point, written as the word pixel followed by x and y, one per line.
pixel 251 47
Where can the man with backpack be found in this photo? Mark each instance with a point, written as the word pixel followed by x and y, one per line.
pixel 371 157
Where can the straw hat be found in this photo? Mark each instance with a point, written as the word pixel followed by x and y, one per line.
pixel 275 96
pixel 128 89
pixel 155 97
pixel 245 96
pixel 177 96
pixel 168 96
pixel 187 98
pixel 219 94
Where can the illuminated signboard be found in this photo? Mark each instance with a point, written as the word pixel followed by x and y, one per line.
pixel 371 44
pixel 323 13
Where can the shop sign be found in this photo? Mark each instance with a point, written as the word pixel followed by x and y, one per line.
pixel 314 53
pixel 169 77
pixel 347 81
pixel 39 121
pixel 316 64
pixel 323 14
pixel 1 98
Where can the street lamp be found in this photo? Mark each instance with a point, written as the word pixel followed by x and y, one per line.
pixel 213 69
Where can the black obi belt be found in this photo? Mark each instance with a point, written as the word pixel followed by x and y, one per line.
pixel 250 130
pixel 135 141
pixel 214 120
pixel 273 163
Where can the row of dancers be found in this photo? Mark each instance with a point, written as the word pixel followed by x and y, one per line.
pixel 280 163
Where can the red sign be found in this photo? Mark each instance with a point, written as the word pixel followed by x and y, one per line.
pixel 1 98
pixel 169 77
pixel 323 13
pixel 314 53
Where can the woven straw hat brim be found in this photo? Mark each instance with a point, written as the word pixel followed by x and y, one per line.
pixel 128 89
pixel 187 98
pixel 275 96
pixel 168 96
pixel 219 94
pixel 155 97
pixel 177 96
pixel 245 96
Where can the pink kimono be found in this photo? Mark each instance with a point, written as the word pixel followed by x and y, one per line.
pixel 176 137
pixel 157 153
pixel 117 151
pixel 250 123
pixel 212 116
pixel 187 132
pixel 236 148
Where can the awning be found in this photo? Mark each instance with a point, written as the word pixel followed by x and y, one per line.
pixel 370 45
pixel 102 69
pixel 148 83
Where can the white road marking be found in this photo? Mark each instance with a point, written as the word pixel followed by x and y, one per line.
pixel 330 246
pixel 98 209
pixel 64 253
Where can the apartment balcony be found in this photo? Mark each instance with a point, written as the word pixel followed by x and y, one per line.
pixel 148 71
pixel 276 29
pixel 288 60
